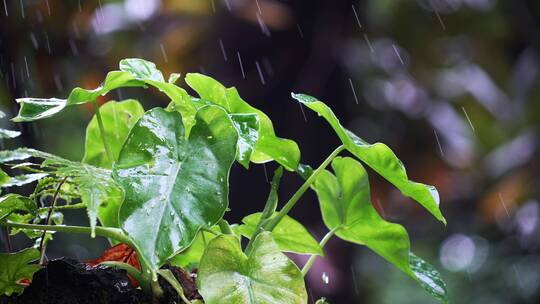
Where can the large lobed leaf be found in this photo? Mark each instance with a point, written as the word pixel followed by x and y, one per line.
pixel 174 185
pixel 379 157
pixel 136 72
pixel 118 118
pixel 265 276
pixel 346 206
pixel 133 73
pixel 269 146
pixel 16 266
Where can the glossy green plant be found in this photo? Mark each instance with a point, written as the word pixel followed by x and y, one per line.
pixel 158 181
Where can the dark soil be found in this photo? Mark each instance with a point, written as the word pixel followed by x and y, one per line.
pixel 67 281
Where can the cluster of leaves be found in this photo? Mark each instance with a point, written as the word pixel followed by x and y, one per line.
pixel 157 181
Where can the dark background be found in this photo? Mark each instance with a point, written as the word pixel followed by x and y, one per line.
pixel 451 85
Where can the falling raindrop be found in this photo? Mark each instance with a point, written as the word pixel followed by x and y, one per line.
pixel 26 65
pixel 300 31
pixel 163 53
pixel 34 41
pixel 368 42
pixel 260 72
pixel 325 278
pixel 13 79
pixel 22 9
pixel 355 284
pixel 438 142
pixel 262 25
pixel 47 42
pixel 58 83
pixel 5 8
pixel 241 65
pixel 265 173
pixel 48 7
pixel 439 18
pixel 258 6
pixel 397 53
pixel 354 92
pixel 356 16
pixel 504 205
pixel 223 50
pixel 468 119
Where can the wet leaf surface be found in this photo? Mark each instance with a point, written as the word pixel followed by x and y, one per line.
pixel 266 276
pixel 174 185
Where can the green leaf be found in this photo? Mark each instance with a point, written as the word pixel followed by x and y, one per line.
pixel 379 157
pixel 133 73
pixel 14 155
pixel 16 203
pixel 21 180
pixel 4 177
pixel 173 77
pixel 269 147
pixel 247 126
pixel 289 234
pixel 147 72
pixel 9 133
pixel 192 256
pixel 429 278
pixel 113 80
pixel 266 276
pixel 345 204
pixel 174 185
pixel 97 189
pixel 141 69
pixel 118 118
pixel 16 266
pixel 38 108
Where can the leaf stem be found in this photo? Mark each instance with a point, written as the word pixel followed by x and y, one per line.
pixel 113 233
pixel 298 194
pixel 225 227
pixel 43 242
pixel 67 207
pixel 102 132
pixel 313 257
pixel 209 231
pixel 269 208
pixel 132 271
pixel 171 279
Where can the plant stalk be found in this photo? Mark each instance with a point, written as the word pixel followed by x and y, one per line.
pixel 269 208
pixel 113 233
pixel 224 227
pixel 132 271
pixel 298 194
pixel 313 257
pixel 102 132
pixel 43 243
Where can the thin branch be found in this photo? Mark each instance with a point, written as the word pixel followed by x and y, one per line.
pixel 42 242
